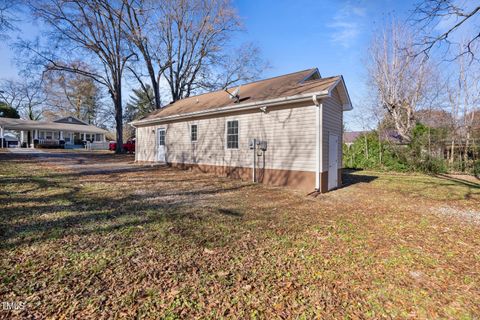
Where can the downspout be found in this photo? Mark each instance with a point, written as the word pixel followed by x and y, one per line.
pixel 136 143
pixel 254 167
pixel 318 142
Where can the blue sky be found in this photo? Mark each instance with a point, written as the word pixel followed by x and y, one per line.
pixel 296 35
pixel 331 35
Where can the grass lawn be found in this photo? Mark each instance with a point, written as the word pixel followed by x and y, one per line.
pixel 155 242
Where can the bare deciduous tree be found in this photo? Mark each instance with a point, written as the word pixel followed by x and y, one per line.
pixel 140 26
pixel 244 65
pixel 186 43
pixel 195 36
pixel 7 17
pixel 27 97
pixel 439 20
pixel 194 33
pixel 398 78
pixel 73 94
pixel 89 30
pixel 463 97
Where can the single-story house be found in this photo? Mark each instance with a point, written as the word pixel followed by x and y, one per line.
pixel 67 132
pixel 285 131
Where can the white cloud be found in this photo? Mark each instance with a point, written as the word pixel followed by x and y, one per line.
pixel 347 24
pixel 345 32
pixel 358 11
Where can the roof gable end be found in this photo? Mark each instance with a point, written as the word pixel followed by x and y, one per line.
pixel 72 120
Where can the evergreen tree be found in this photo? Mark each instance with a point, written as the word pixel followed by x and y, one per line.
pixel 7 111
pixel 139 104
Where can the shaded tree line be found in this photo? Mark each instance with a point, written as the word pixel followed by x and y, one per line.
pixel 425 95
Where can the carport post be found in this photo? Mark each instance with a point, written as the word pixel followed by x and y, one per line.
pixel 32 133
pixel 35 137
pixel 2 136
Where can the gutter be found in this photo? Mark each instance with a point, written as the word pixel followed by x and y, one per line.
pixel 240 107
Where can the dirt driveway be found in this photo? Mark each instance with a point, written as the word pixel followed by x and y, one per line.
pixel 76 160
pixel 93 235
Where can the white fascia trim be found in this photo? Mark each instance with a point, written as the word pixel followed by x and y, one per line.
pixel 348 105
pixel 240 107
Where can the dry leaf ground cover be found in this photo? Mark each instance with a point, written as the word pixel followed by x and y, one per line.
pixel 95 236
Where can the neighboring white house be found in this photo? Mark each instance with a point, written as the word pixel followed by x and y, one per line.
pixel 283 131
pixel 68 132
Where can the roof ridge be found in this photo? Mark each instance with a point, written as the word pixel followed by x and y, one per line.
pixel 243 84
pixel 279 76
pixel 321 79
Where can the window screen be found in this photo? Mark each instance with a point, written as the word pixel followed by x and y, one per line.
pixel 232 134
pixel 193 132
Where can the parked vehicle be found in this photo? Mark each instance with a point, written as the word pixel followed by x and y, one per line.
pixel 128 146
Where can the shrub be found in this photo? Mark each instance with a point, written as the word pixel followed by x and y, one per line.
pixel 432 165
pixel 368 152
pixel 476 168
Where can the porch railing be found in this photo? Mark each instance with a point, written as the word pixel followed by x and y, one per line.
pixel 49 142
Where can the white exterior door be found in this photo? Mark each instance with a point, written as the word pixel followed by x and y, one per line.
pixel 161 133
pixel 332 161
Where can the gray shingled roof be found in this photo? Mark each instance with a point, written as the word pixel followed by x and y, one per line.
pixel 20 124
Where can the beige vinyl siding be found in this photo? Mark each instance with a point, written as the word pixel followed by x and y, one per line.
pixel 289 132
pixel 145 144
pixel 332 124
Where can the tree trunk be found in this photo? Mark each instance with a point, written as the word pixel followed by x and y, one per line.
pixel 474 150
pixel 117 100
pixel 467 146
pixel 153 79
pixel 452 152
pixel 381 150
pixel 156 92
pixel 152 75
pixel 366 147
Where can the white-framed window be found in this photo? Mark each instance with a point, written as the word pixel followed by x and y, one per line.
pixel 98 137
pixel 90 137
pixel 49 135
pixel 232 134
pixel 41 135
pixel 161 137
pixel 193 133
